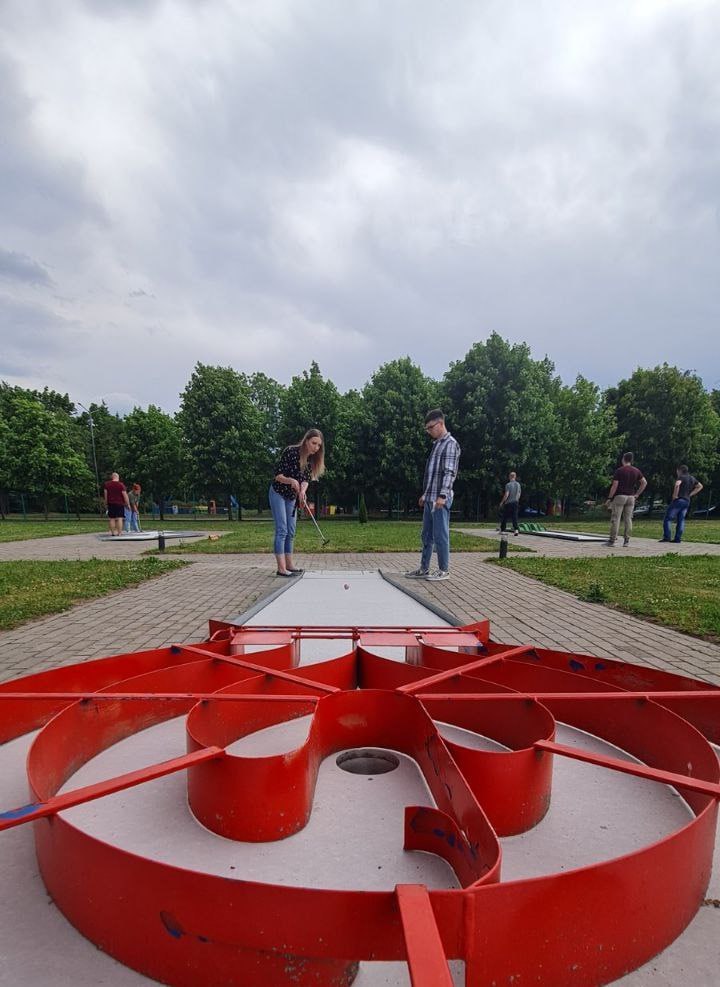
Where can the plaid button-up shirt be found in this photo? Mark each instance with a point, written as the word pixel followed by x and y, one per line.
pixel 441 468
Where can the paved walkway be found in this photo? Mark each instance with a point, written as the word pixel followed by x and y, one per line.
pixel 177 606
pixel 564 548
pixel 89 546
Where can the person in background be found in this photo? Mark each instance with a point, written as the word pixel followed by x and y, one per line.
pixel 134 498
pixel 510 503
pixel 437 497
pixel 116 502
pixel 627 485
pixel 685 487
pixel 298 465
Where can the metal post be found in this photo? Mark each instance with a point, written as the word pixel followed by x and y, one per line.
pixel 503 545
pixel 161 541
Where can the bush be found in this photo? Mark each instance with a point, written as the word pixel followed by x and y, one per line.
pixel 595 593
pixel 362 511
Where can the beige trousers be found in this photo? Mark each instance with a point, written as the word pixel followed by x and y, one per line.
pixel 622 505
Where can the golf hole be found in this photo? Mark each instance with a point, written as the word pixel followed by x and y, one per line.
pixel 367 762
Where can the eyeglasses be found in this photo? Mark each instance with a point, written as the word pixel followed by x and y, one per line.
pixel 431 425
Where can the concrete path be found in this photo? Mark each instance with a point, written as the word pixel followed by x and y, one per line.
pixel 177 606
pixel 561 548
pixel 80 547
pixel 89 546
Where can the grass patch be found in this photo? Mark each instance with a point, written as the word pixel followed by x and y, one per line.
pixel 702 532
pixel 678 591
pixel 26 530
pixel 345 536
pixel 19 530
pixel 35 589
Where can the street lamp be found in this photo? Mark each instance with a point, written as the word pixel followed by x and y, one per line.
pixel 92 442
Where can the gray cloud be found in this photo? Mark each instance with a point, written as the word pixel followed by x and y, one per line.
pixel 23 268
pixel 269 184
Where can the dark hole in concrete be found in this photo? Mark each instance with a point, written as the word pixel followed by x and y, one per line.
pixel 367 762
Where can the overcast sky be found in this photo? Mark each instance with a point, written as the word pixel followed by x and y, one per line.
pixel 261 184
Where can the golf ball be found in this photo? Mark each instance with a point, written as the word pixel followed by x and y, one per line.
pixel 346 586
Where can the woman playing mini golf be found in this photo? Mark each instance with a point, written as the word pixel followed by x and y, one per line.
pixel 298 465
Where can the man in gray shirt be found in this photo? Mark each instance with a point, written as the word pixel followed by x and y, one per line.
pixel 510 503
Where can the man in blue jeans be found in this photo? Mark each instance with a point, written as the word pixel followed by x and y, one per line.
pixel 686 486
pixel 437 497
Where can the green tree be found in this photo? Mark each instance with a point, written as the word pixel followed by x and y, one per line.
pixel 5 465
pixel 107 433
pixel 666 417
pixel 310 401
pixel 712 494
pixel 221 430
pixel 499 404
pixel 151 453
pixel 584 439
pixel 396 399
pixel 350 452
pixel 266 395
pixel 39 454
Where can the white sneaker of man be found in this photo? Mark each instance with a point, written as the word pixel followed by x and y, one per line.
pixel 437 574
pixel 418 574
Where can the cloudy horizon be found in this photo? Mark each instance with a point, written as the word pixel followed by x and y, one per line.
pixel 265 184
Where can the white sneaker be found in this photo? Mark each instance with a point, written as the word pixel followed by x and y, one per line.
pixel 437 574
pixel 418 574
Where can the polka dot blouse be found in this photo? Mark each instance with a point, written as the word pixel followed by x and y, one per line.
pixel 289 465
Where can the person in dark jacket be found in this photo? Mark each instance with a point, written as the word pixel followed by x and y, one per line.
pixel 298 465
pixel 686 486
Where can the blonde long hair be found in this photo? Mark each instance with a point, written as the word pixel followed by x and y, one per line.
pixel 315 459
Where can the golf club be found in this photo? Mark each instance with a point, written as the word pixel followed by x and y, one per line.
pixel 325 541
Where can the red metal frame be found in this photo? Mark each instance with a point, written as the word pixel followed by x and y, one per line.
pixel 189 928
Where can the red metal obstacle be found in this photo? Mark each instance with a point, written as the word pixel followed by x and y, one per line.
pixel 582 927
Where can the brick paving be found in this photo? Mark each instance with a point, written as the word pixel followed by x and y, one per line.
pixel 170 609
pixel 177 606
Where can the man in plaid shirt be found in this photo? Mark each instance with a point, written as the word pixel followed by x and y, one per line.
pixel 437 497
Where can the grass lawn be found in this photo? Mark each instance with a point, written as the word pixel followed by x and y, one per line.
pixel 19 530
pixel 679 591
pixel 25 530
pixel 702 532
pixel 34 589
pixel 345 536
pixel 707 532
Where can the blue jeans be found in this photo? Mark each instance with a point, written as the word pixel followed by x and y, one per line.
pixel 284 514
pixel 126 521
pixel 135 521
pixel 677 509
pixel 436 532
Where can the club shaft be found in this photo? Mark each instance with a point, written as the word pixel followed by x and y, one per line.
pixel 312 518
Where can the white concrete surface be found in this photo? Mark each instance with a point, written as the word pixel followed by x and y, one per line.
pixel 354 838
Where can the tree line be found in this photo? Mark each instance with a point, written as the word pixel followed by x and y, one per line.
pixel 507 410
